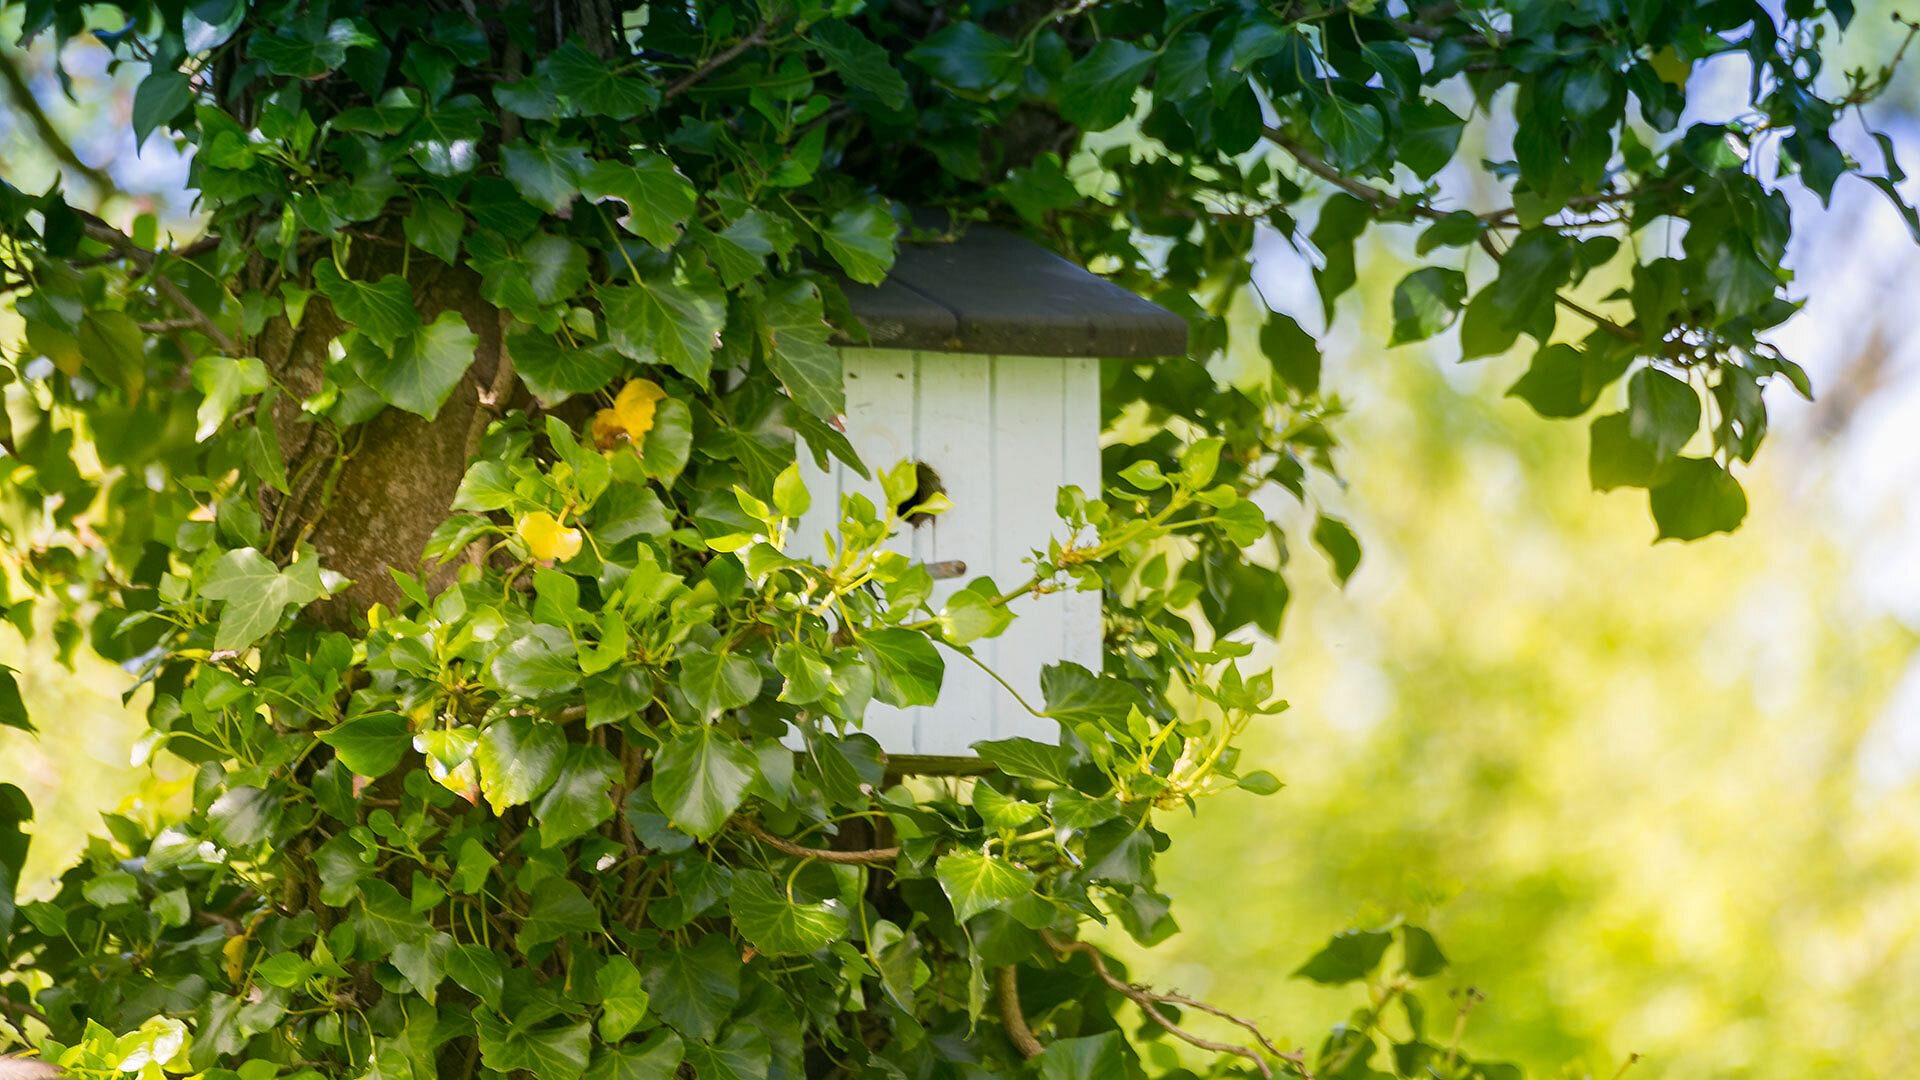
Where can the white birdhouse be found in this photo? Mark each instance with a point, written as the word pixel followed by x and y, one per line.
pixel 983 364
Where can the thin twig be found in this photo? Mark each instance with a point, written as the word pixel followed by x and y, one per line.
pixel 717 61
pixel 106 234
pixel 1006 987
pixel 867 857
pixel 1149 1001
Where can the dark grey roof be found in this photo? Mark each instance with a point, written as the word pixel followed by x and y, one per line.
pixel 997 293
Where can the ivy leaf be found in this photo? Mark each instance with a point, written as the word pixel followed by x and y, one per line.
pixel 1617 459
pixel 475 969
pixel 592 87
pixel 243 816
pixel 307 47
pixel 1293 353
pixel 385 919
pixel 542 661
pixel 435 228
pixel 623 999
pixel 659 199
pixel 694 989
pixel 798 348
pixel 547 175
pixel 518 757
pixel 740 250
pixel 556 908
pixel 256 594
pixel 1333 536
pixel 861 64
pixel 664 321
pixel 967 57
pixel 1097 92
pixel 224 381
pixel 743 1053
pixel 556 1053
pixel 530 277
pixel 907 668
pixel 1429 135
pixel 717 681
pixel 113 347
pixel 161 96
pixel 777 926
pixel 1348 956
pixel 1426 302
pixel 382 311
pixel 975 883
pixel 1662 412
pixel 423 368
pixel 423 961
pixel 658 1058
pixel 1353 132
pixel 554 372
pixel 700 778
pixel 1697 498
pixel 861 239
pixel 13 711
pixel 580 798
pixel 1027 758
pixel 1075 695
pixel 370 745
pixel 1422 957
pixel 1087 1057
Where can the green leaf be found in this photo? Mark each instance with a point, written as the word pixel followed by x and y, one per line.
pixel 664 321
pixel 1696 498
pixel 659 199
pixel 1027 758
pixel 1426 302
pixel 547 175
pixel 658 1058
pixel 581 797
pixel 623 999
pixel 476 969
pixel 1293 353
pixel 1617 459
pixel 861 64
pixel 1565 380
pixel 1353 132
pixel 424 367
pixel 557 1053
pixel 530 277
pixel 743 1053
pixel 556 908
pixel 1075 695
pixel 1429 135
pixel 1663 412
pixel 694 989
pixel 861 239
pixel 1333 536
pixel 1088 1057
pixel 436 228
pixel 740 250
pixel 1348 956
pixel 423 961
pixel 1423 958
pixel 540 662
pixel 777 926
pixel 161 96
pixel 113 347
pixel 224 381
pixel 592 87
pixel 554 371
pixel 370 745
pixel 382 311
pixel 967 57
pixel 975 883
pixel 385 919
pixel 1097 92
pixel 907 668
pixel 798 348
pixel 256 595
pixel 13 711
pixel 700 778
pixel 518 757
pixel 716 681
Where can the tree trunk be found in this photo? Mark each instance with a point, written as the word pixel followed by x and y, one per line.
pixel 371 504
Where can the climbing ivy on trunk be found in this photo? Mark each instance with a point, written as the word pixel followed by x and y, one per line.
pixel 439 492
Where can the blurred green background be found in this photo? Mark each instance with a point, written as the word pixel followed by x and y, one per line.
pixel 1656 799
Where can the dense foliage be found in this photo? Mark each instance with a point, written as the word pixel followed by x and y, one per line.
pixel 440 492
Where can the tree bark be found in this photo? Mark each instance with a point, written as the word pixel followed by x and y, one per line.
pixel 371 503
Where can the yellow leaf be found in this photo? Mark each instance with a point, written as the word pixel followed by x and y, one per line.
pixel 607 432
pixel 633 407
pixel 235 952
pixel 546 538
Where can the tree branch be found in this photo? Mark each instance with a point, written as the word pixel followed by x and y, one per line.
pixel 717 61
pixel 867 857
pixel 99 230
pixel 1006 987
pixel 23 99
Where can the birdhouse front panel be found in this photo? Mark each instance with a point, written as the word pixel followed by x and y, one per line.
pixel 1001 434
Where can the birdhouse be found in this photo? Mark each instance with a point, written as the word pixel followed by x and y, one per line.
pixel 982 365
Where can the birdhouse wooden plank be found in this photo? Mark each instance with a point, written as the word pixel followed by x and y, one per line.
pixel 982 365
